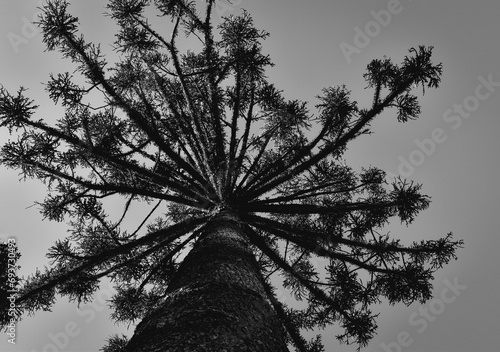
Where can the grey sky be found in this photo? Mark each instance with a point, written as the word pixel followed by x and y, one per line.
pixel 453 149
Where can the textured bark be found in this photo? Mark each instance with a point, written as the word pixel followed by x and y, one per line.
pixel 216 302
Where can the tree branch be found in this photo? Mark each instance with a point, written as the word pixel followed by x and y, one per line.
pixel 281 177
pixel 170 232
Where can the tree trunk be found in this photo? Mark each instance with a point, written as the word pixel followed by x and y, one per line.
pixel 216 301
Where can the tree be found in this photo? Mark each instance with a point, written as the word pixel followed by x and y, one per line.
pixel 253 182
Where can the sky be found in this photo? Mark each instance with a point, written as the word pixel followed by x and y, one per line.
pixel 452 149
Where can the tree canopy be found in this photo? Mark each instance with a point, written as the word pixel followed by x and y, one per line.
pixel 195 133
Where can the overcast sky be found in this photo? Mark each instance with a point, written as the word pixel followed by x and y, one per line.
pixel 453 149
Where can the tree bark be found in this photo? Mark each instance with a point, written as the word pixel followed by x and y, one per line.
pixel 216 301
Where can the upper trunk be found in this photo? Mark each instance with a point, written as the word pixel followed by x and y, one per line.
pixel 216 302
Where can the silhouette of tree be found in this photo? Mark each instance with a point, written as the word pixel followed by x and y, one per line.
pixel 253 182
